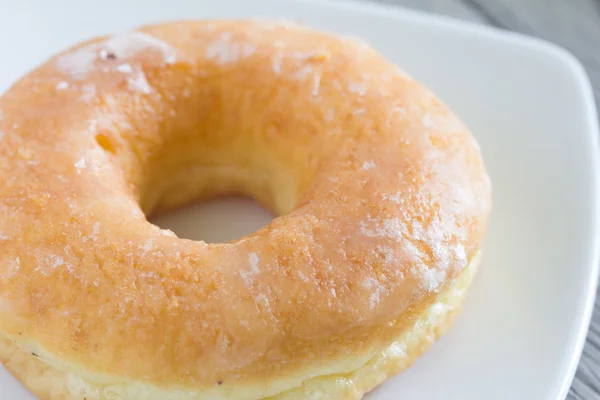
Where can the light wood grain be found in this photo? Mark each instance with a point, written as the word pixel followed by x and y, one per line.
pixel 574 25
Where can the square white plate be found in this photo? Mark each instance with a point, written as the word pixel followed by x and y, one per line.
pixel 530 106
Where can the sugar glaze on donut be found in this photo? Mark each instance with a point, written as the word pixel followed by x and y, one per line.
pixel 381 192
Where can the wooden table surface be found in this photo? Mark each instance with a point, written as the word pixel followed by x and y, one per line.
pixel 574 25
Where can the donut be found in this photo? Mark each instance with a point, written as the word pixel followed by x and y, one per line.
pixel 380 193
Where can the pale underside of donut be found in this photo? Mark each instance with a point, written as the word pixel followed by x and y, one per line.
pixel 347 379
pixel 381 192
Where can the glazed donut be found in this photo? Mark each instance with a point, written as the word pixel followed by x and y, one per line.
pixel 381 194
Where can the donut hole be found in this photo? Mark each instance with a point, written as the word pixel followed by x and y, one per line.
pixel 218 220
pixel 215 194
pixel 214 204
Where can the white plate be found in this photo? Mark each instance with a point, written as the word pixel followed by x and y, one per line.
pixel 530 106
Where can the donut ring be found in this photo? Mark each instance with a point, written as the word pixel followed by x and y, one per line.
pixel 381 192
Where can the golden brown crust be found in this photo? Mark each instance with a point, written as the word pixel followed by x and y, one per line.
pixel 382 193
pixel 51 384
